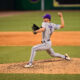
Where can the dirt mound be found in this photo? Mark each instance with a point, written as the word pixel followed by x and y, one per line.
pixel 50 66
pixel 28 39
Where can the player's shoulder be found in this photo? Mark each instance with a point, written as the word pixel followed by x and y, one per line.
pixel 44 24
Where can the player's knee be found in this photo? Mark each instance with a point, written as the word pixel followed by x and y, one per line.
pixel 33 48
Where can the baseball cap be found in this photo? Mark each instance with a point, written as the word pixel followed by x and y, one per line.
pixel 47 16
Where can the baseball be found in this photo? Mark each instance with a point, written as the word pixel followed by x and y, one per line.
pixel 60 14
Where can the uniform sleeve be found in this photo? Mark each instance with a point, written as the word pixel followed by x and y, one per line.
pixel 56 26
pixel 43 25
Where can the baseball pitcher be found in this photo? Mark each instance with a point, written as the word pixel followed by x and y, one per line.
pixel 47 29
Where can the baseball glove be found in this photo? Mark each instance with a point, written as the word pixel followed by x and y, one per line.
pixel 34 28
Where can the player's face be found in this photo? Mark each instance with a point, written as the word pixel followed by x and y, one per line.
pixel 46 20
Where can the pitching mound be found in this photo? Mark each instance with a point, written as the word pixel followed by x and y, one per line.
pixel 50 66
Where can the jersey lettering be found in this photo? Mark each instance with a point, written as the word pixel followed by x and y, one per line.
pixel 50 27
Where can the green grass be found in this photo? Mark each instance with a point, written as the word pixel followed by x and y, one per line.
pixel 11 54
pixel 38 77
pixel 23 22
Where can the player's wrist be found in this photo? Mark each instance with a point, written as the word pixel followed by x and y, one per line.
pixel 61 16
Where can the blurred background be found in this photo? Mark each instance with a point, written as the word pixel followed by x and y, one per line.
pixel 39 4
pixel 19 15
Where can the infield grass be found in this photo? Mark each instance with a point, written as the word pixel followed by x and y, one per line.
pixel 12 54
pixel 23 22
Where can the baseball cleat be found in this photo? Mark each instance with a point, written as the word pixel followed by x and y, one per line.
pixel 28 65
pixel 67 57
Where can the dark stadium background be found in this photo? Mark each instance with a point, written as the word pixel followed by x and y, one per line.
pixel 28 5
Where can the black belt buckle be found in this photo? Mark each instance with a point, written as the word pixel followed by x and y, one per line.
pixel 42 41
pixel 45 41
pixel 48 40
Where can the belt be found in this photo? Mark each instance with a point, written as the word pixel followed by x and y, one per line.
pixel 45 41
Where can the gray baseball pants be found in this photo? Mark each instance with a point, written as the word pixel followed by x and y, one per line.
pixel 44 46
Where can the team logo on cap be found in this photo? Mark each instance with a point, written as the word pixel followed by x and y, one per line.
pixel 34 1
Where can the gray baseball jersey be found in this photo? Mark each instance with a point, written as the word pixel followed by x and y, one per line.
pixel 49 29
pixel 46 45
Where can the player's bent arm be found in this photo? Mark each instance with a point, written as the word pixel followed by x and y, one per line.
pixel 62 20
pixel 40 30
